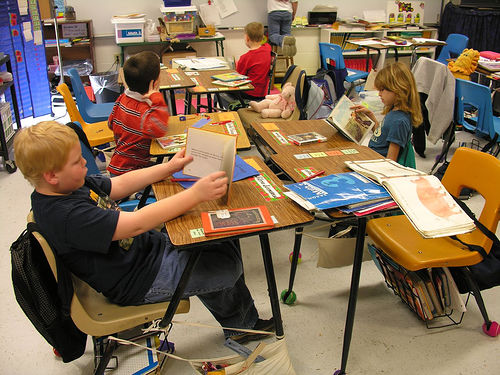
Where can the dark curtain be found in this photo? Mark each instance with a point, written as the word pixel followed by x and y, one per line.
pixel 481 26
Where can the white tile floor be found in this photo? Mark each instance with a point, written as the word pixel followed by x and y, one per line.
pixel 387 338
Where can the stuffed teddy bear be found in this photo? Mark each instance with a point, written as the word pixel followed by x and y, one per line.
pixel 465 64
pixel 278 105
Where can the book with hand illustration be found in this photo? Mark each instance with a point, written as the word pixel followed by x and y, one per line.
pixel 227 77
pixel 424 200
pixel 236 221
pixel 304 138
pixel 172 143
pixel 335 190
pixel 211 152
pixel 355 126
pixel 236 83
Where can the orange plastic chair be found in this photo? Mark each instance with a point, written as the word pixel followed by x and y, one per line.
pixel 396 237
pixel 97 133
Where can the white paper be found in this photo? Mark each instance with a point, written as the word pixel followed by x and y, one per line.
pixel 209 14
pixel 23 7
pixel 226 7
pixel 37 37
pixel 202 63
pixel 28 36
pixel 374 15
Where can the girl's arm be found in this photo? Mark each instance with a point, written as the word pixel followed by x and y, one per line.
pixel 366 111
pixel 393 151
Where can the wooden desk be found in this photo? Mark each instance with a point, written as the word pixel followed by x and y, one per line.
pixel 170 80
pixel 204 86
pixel 245 193
pixel 176 126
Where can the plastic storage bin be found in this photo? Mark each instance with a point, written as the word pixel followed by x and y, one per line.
pixel 129 30
pixel 179 20
pixel 177 3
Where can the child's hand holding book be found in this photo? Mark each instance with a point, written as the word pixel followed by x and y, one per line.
pixel 211 187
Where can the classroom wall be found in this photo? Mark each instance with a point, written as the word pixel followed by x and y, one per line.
pixel 249 10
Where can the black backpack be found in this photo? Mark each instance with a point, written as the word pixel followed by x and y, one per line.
pixel 45 301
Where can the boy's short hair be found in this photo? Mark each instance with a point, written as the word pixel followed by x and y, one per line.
pixel 255 31
pixel 140 69
pixel 42 148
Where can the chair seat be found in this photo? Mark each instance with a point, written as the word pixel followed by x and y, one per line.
pixel 95 315
pixel 397 238
pixel 98 133
pixel 97 112
pixel 354 75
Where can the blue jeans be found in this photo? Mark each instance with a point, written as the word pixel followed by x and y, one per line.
pixel 279 24
pixel 217 279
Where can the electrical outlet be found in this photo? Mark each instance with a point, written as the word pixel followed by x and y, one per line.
pixel 117 58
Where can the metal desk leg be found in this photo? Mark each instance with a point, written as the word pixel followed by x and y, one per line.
pixel 176 298
pixel 353 294
pixel 295 261
pixel 271 284
pixel 173 106
pixel 187 98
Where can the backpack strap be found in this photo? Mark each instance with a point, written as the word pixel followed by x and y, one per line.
pixel 301 94
pixel 482 228
pixel 81 134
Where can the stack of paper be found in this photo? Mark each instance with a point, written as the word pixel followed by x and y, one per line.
pixel 200 63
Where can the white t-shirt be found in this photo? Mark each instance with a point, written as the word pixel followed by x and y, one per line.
pixel 273 5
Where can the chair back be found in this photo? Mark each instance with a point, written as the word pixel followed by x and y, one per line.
pixel 478 96
pixel 332 52
pixel 481 172
pixel 296 76
pixel 74 113
pixel 270 75
pixel 81 96
pixel 94 314
pixel 455 44
pixel 87 154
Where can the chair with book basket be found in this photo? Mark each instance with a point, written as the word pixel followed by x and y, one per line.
pixel 396 238
pixel 96 316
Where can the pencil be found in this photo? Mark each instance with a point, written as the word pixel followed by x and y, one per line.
pixel 183 179
pixel 319 173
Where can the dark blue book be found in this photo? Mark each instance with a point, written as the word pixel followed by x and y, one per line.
pixel 338 190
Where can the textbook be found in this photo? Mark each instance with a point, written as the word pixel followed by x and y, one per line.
pixel 172 143
pixel 211 152
pixel 355 126
pixel 239 82
pixel 231 76
pixel 235 221
pixel 304 138
pixel 335 190
pixel 424 200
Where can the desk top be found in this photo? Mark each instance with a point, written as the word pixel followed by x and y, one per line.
pixel 386 44
pixel 170 78
pixel 215 38
pixel 204 86
pixel 176 126
pixel 265 189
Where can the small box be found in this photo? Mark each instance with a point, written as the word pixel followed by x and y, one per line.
pixel 179 20
pixel 206 31
pixel 129 30
pixel 177 3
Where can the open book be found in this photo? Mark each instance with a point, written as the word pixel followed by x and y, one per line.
pixel 211 152
pixel 424 200
pixel 354 126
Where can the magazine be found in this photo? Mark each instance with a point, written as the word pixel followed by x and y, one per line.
pixel 424 200
pixel 227 77
pixel 172 143
pixel 236 83
pixel 355 126
pixel 304 138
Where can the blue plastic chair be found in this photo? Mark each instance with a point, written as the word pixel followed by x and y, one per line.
pixel 333 52
pixel 455 44
pixel 471 94
pixel 90 112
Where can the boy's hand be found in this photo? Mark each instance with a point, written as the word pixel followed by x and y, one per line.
pixel 154 86
pixel 179 160
pixel 211 187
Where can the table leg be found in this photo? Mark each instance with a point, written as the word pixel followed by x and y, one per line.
pixel 173 106
pixel 187 99
pixel 271 284
pixel 353 294
pixel 295 261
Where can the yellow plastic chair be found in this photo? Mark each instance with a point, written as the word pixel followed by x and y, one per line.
pixel 96 316
pixel 396 237
pixel 97 133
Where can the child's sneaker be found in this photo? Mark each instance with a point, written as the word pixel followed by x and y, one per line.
pixel 261 325
pixel 289 48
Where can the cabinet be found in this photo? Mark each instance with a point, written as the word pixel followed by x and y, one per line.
pixel 356 58
pixel 7 130
pixel 76 45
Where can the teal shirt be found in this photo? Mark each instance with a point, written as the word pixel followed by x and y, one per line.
pixel 395 128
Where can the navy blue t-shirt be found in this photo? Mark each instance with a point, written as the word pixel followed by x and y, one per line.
pixel 395 128
pixel 80 227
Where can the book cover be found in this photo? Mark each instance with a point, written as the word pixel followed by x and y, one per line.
pixel 338 190
pixel 304 138
pixel 227 77
pixel 211 152
pixel 240 220
pixel 355 126
pixel 236 83
pixel 172 143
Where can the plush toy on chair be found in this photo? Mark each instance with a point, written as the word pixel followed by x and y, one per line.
pixel 278 105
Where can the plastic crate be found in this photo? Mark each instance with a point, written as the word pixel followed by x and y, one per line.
pixel 6 116
pixel 177 3
pixel 129 30
pixel 179 20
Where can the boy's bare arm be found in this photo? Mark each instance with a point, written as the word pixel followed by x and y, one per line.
pixel 207 188
pixel 294 9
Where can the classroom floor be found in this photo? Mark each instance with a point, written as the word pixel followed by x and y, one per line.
pixel 387 337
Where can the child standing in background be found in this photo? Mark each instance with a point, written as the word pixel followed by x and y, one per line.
pixel 139 115
pixel 398 92
pixel 280 14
